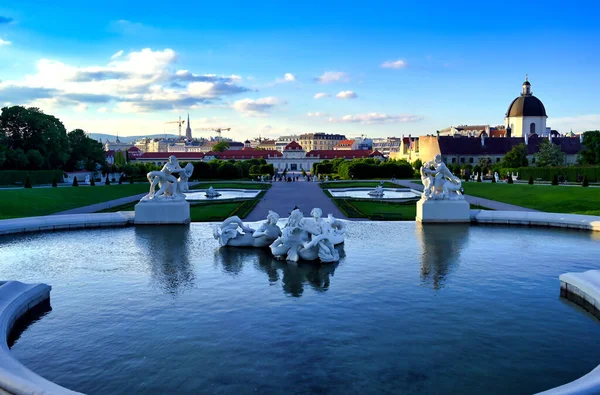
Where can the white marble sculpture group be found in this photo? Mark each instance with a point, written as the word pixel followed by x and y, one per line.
pixel 169 187
pixel 211 193
pixel 301 238
pixel 378 191
pixel 438 182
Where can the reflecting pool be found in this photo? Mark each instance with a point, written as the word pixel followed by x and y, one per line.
pixel 388 193
pixel 408 309
pixel 200 194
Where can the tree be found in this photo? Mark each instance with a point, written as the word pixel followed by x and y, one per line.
pixel 221 146
pixel 30 129
pixel 92 182
pixel 75 183
pixel 516 157
pixel 510 180
pixel 549 154
pixel 16 159
pixel 590 155
pixel 84 152
pixel 107 181
pixel 417 164
pixel 35 160
pixel 120 158
pixel 484 162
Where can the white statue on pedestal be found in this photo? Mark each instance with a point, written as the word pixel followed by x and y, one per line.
pixel 228 233
pixel 496 176
pixel 439 182
pixel 87 179
pixel 169 187
pixel 309 238
pixel 211 192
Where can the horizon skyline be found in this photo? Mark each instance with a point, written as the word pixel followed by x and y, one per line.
pixel 274 69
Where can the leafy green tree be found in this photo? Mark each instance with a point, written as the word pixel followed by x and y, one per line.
pixel 119 158
pixel 590 155
pixel 549 154
pixel 417 164
pixel 221 146
pixel 31 129
pixel 16 159
pixel 35 160
pixel 516 157
pixel 84 152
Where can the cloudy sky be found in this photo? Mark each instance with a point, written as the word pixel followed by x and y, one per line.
pixel 269 68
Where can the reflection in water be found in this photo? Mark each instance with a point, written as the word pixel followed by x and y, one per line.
pixel 441 246
pixel 293 277
pixel 167 252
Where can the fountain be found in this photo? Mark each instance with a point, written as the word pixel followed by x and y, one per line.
pixel 211 193
pixel 377 192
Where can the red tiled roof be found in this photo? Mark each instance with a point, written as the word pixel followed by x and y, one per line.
pixel 348 154
pixel 133 149
pixel 165 155
pixel 245 154
pixel 345 143
pixel 293 146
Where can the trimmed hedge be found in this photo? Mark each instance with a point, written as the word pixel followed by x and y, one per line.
pixel 37 177
pixel 547 173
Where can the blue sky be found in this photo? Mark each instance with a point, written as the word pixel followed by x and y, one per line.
pixel 384 68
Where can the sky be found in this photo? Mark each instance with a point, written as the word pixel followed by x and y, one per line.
pixel 270 68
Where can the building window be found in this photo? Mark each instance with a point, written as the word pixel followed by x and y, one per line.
pixel 453 160
pixel 532 128
pixel 462 160
pixel 470 160
pixel 497 160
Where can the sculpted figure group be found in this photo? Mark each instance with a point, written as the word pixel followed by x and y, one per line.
pixel 169 187
pixel 301 238
pixel 439 182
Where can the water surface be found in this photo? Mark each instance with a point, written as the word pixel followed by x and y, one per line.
pixel 408 309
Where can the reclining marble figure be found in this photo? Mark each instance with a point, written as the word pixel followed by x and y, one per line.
pixel 309 238
pixel 233 232
pixel 439 182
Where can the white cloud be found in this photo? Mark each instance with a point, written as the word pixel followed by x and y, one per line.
pixel 81 107
pixel 316 114
pixel 117 55
pixel 332 76
pixel 321 95
pixel 376 118
pixel 139 81
pixel 578 124
pixel 4 42
pixel 289 77
pixel 346 95
pixel 394 64
pixel 256 107
pixel 103 109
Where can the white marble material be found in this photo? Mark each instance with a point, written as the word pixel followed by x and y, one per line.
pixel 530 218
pixel 16 299
pixel 438 182
pixel 162 212
pixel 210 192
pixel 233 232
pixel 169 187
pixel 309 239
pixel 67 221
pixel 443 211
pixel 586 286
pixel 377 192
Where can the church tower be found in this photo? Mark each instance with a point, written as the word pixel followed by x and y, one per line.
pixel 188 130
pixel 526 114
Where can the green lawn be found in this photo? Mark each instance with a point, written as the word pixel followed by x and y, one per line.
pixel 16 203
pixel 558 199
pixel 357 184
pixel 231 185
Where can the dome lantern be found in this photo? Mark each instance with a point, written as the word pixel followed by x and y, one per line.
pixel 526 86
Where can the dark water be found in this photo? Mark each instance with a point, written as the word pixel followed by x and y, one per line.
pixel 440 309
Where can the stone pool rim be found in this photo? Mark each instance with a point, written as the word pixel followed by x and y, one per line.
pixel 33 383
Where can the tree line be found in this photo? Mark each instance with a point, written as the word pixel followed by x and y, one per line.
pixel 32 140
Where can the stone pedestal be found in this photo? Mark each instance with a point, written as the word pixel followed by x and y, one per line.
pixel 443 211
pixel 162 212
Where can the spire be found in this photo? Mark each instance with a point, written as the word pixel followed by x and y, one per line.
pixel 526 86
pixel 188 130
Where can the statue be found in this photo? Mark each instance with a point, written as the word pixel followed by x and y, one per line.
pixel 377 192
pixel 169 187
pixel 496 178
pixel 87 179
pixel 228 233
pixel 439 182
pixel 212 193
pixel 327 178
pixel 309 238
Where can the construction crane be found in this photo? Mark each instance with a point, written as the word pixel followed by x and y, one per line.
pixel 218 130
pixel 179 123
